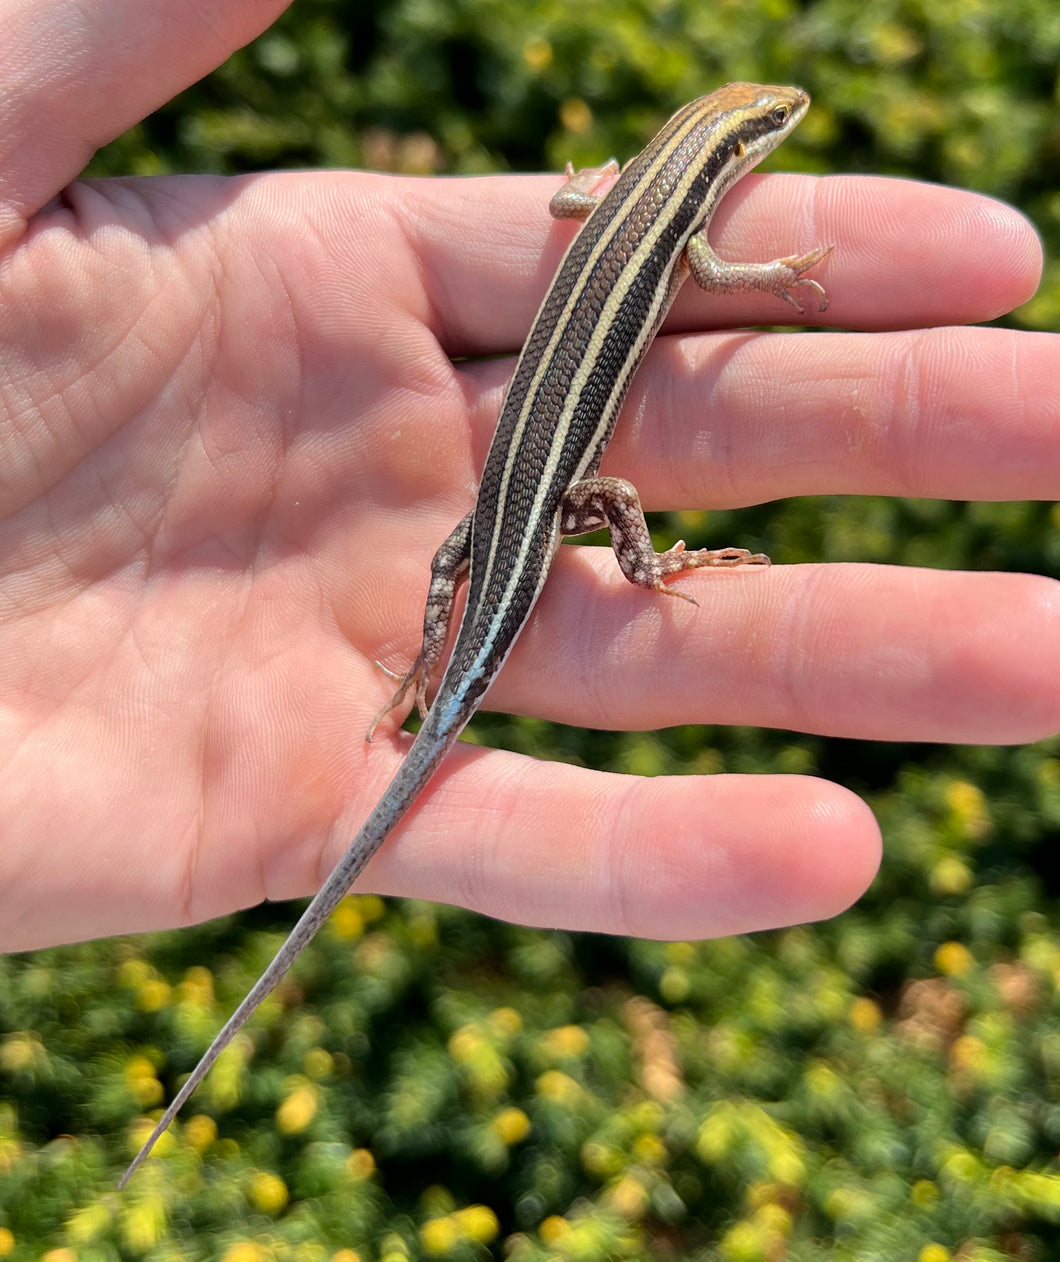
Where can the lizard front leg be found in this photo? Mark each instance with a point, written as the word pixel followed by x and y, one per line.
pixel 576 199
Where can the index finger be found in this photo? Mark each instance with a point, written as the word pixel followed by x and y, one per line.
pixel 906 254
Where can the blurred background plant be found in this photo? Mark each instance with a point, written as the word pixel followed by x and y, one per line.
pixel 429 1084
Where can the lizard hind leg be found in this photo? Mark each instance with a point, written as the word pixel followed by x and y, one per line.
pixel 415 675
pixel 614 502
pixel 448 571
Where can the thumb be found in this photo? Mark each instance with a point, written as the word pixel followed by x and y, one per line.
pixel 76 73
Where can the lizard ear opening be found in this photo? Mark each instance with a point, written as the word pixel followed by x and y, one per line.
pixel 738 149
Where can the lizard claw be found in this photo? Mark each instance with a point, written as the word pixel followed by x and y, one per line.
pixel 803 264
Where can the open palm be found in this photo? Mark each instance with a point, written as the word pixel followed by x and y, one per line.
pixel 233 432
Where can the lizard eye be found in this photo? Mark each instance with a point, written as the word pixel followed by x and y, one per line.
pixel 780 115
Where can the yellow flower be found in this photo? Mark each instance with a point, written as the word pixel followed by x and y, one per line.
pixel 506 1021
pixel 478 1223
pixel 347 921
pixel 953 959
pixel 559 1088
pixel 512 1125
pixel 21 1051
pixel 197 987
pixel 134 973
pixel 961 1166
pixel 681 953
pixel 865 1015
pixel 145 1223
pixel 966 801
pixel 393 1248
pixel 968 1052
pixel 823 1081
pixel 200 1131
pixel 564 1042
pixel 440 1235
pixel 87 1223
pixel 628 1197
pixel 296 1111
pixel 924 1194
pixel 933 1253
pixel 774 1219
pixel 951 877
pixel 465 1044
pixel 148 1092
pixel 743 1242
pixel 554 1230
pixel 1037 1189
pixel 224 1084
pixel 576 116
pixel 602 1160
pixel 371 907
pixel 139 1131
pixel 268 1192
pixel 153 995
pixel 849 1205
pixel 7 1242
pixel 675 984
pixel 318 1063
pixel 244 1251
pixel 141 1081
pixel 360 1163
pixel 483 1063
pixel 537 53
pixel 649 1150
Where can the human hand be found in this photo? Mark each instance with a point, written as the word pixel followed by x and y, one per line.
pixel 233 434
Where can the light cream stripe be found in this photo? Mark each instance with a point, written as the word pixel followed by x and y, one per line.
pixel 618 218
pixel 608 316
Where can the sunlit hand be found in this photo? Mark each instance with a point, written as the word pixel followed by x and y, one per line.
pixel 233 433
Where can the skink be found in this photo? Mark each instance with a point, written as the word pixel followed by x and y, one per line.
pixel 604 307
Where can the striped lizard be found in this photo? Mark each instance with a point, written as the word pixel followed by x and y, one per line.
pixel 541 481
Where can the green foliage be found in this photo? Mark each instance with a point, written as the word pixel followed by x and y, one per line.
pixel 431 1085
pixel 862 1090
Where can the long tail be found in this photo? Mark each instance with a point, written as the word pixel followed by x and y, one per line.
pixel 437 735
